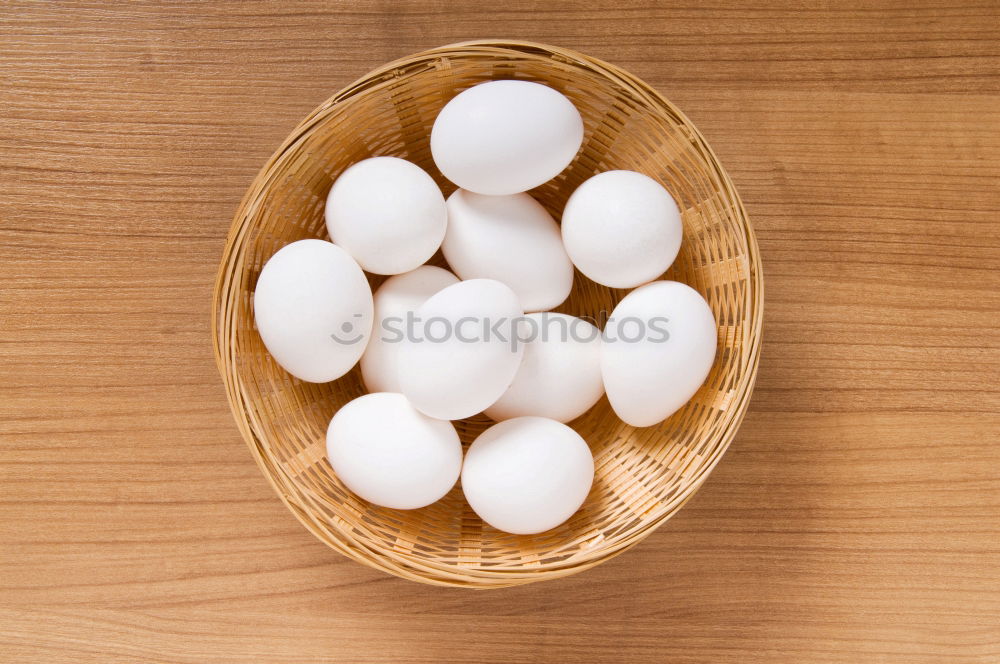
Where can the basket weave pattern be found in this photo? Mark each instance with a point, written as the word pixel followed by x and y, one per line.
pixel 643 476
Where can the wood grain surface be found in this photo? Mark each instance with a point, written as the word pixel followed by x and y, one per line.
pixel 856 518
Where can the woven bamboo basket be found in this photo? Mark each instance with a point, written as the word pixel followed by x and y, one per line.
pixel 643 476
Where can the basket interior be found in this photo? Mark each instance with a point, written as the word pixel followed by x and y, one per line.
pixel 642 475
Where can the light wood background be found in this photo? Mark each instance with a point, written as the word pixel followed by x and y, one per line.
pixel 856 517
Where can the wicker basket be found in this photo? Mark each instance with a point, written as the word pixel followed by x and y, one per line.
pixel 643 475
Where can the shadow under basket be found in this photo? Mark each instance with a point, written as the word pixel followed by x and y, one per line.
pixel 643 476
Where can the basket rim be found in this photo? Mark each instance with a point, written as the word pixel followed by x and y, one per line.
pixel 424 570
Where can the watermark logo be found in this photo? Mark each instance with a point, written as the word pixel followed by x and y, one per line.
pixel 514 332
pixel 350 332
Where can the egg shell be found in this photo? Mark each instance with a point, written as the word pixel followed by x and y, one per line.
pixel 313 308
pixel 394 299
pixel 511 239
pixel 560 373
pixel 658 348
pixel 462 355
pixel 622 229
pixel 390 454
pixel 527 475
pixel 387 213
pixel 505 137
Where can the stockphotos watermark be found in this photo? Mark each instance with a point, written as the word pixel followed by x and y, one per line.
pixel 511 331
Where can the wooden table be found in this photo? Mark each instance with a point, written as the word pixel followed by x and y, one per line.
pixel 856 518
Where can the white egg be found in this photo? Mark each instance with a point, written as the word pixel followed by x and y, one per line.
pixel 560 374
pixel 394 299
pixel 527 475
pixel 387 213
pixel 505 137
pixel 658 348
pixel 390 454
pixel 511 239
pixel 462 354
pixel 621 229
pixel 313 309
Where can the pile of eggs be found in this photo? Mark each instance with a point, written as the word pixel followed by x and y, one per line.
pixel 437 345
